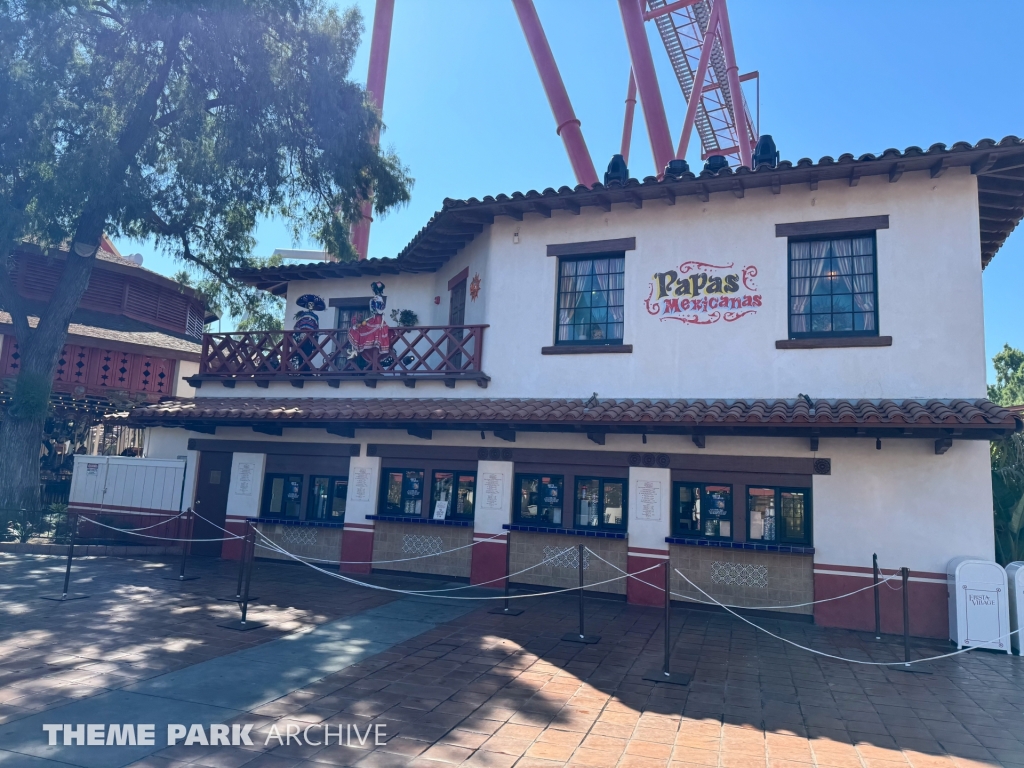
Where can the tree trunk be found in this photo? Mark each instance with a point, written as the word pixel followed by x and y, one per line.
pixel 19 477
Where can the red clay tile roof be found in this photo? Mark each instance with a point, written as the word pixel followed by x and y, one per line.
pixel 969 418
pixel 999 166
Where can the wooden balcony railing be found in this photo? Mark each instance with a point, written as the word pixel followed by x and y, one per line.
pixel 440 353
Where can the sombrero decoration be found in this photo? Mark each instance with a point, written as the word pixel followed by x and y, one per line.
pixel 311 302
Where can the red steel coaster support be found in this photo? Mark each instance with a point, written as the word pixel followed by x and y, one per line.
pixel 733 75
pixel 627 123
pixel 567 124
pixel 376 79
pixel 647 83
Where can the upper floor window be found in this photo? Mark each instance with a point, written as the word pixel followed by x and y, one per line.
pixel 590 299
pixel 833 287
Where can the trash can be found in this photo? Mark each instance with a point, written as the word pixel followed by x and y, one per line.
pixel 1015 582
pixel 979 610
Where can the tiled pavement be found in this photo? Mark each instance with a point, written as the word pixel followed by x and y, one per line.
pixel 486 690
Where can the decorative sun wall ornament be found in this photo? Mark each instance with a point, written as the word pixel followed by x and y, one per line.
pixel 474 287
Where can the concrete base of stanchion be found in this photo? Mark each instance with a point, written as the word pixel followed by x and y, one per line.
pixel 506 611
pixel 64 598
pixel 242 626
pixel 576 637
pixel 672 678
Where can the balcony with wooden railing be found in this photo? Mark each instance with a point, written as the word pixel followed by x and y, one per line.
pixel 419 353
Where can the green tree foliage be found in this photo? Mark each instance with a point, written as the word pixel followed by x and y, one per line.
pixel 1008 459
pixel 1009 386
pixel 254 310
pixel 182 121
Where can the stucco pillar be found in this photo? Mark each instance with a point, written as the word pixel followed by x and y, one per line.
pixel 244 491
pixel 493 510
pixel 650 516
pixel 361 500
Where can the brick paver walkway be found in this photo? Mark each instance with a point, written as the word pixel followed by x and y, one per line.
pixel 487 690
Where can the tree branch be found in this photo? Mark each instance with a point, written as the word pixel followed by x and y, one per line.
pixel 164 120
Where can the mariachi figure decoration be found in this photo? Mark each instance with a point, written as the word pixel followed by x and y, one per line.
pixel 373 332
pixel 306 321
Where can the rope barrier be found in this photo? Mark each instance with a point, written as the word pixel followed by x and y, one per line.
pixel 750 607
pixel 832 656
pixel 133 530
pixel 161 538
pixel 425 591
pixel 413 593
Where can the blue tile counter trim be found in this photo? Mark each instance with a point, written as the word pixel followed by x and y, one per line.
pixel 566 531
pixel 785 549
pixel 427 520
pixel 306 523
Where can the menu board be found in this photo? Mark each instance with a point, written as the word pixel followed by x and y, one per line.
pixel 492 490
pixel 244 473
pixel 716 503
pixel 648 500
pixel 360 481
pixel 440 510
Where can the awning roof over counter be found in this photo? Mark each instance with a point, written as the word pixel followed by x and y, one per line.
pixel 961 419
pixel 999 167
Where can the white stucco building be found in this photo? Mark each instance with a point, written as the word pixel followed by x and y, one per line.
pixel 766 377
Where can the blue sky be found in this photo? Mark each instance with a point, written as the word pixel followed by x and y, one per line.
pixel 465 110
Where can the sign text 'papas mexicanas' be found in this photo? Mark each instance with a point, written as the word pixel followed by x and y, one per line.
pixel 700 294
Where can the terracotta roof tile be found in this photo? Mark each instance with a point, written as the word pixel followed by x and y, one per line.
pixel 739 416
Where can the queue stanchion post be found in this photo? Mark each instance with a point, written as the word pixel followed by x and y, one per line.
pixel 65 596
pixel 189 520
pixel 665 674
pixel 507 610
pixel 878 612
pixel 244 625
pixel 237 597
pixel 907 666
pixel 581 636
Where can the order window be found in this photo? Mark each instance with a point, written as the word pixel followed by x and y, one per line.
pixel 403 492
pixel 327 498
pixel 600 503
pixel 282 496
pixel 779 515
pixel 453 495
pixel 702 510
pixel 539 499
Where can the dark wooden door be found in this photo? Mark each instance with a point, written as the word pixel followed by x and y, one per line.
pixel 211 501
pixel 456 316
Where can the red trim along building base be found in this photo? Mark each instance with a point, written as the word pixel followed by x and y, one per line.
pixel 356 548
pixel 488 564
pixel 929 601
pixel 647 588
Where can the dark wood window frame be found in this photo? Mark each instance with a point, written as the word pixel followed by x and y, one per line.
pixel 517 512
pixel 311 504
pixel 601 524
pixel 699 533
pixel 385 479
pixel 452 515
pixel 823 339
pixel 808 538
pixel 265 501
pixel 584 346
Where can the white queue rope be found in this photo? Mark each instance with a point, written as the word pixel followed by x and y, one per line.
pixel 145 528
pixel 841 658
pixel 412 593
pixel 362 562
pixel 161 538
pixel 278 548
pixel 749 607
